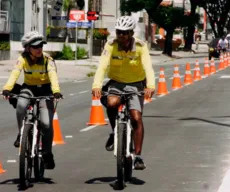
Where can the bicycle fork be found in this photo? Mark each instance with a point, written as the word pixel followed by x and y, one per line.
pixel 34 140
pixel 128 138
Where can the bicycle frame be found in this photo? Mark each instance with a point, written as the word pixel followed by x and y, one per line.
pixel 123 117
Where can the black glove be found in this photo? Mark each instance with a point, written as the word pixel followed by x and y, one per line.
pixel 58 95
pixel 6 93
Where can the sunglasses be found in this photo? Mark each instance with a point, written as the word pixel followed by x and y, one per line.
pixel 119 32
pixel 37 46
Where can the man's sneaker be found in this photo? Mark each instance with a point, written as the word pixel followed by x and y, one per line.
pixel 48 160
pixel 17 141
pixel 110 143
pixel 139 163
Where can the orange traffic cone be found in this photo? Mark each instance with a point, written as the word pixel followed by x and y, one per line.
pixel 225 61
pixel 188 76
pixel 162 87
pixel 147 100
pixel 197 75
pixel 97 113
pixel 228 59
pixel 221 64
pixel 206 68
pixel 1 169
pixel 212 66
pixel 57 139
pixel 176 83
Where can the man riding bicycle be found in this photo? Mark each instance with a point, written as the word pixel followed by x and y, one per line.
pixel 222 44
pixel 40 79
pixel 129 67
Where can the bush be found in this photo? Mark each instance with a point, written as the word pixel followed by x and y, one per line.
pixel 81 53
pixel 68 54
pixel 4 46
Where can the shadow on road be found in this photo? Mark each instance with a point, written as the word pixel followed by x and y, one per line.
pixel 16 182
pixel 204 120
pixel 158 116
pixel 112 181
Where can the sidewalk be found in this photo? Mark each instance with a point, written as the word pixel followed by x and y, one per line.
pixel 71 70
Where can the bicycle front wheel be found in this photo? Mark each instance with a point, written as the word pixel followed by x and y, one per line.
pixel 38 161
pixel 25 160
pixel 121 140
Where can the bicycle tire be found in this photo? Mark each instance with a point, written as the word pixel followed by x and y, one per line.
pixel 128 164
pixel 120 154
pixel 39 168
pixel 25 170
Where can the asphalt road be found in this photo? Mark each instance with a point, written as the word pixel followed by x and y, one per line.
pixel 186 146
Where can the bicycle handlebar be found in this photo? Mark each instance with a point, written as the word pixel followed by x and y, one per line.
pixel 139 93
pixel 36 98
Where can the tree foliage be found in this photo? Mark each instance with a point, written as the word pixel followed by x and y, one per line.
pixel 128 6
pixel 218 12
pixel 170 18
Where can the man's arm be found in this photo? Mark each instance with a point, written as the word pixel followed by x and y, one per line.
pixel 103 64
pixel 147 64
pixel 14 75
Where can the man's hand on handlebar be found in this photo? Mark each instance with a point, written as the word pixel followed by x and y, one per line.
pixel 96 92
pixel 149 93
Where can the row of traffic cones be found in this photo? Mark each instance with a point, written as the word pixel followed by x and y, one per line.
pixel 188 79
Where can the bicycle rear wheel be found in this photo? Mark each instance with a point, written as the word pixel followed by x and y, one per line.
pixel 25 160
pixel 121 140
pixel 38 161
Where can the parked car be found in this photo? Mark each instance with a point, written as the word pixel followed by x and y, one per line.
pixel 213 50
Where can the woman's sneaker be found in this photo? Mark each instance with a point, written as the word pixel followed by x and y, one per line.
pixel 139 163
pixel 17 141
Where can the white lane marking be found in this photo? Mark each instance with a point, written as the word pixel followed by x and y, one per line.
pixel 71 94
pixel 88 128
pixel 77 81
pixel 11 161
pixel 225 185
pixel 69 136
pixel 83 91
pixel 225 77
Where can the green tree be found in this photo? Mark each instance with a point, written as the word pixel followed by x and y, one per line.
pixel 191 27
pixel 170 18
pixel 218 12
pixel 128 6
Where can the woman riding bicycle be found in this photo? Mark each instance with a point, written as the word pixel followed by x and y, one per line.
pixel 40 79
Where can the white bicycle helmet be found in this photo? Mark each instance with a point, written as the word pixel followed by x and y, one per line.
pixel 32 38
pixel 125 23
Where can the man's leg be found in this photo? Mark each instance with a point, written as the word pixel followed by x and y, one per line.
pixel 113 103
pixel 46 109
pixel 138 127
pixel 137 124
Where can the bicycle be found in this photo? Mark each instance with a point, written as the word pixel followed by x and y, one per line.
pixel 30 148
pixel 123 139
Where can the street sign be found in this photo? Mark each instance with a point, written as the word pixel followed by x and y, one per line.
pixel 76 15
pixel 79 24
pixel 92 15
pixel 59 17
